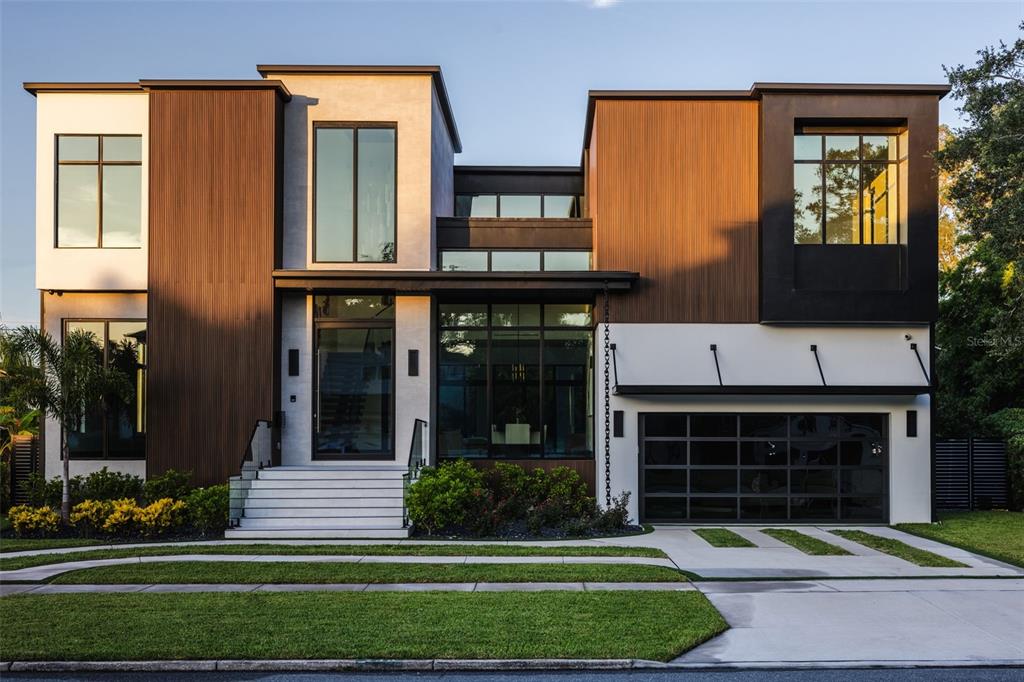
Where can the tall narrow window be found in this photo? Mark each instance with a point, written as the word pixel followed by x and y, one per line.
pixel 119 431
pixel 354 193
pixel 845 188
pixel 99 191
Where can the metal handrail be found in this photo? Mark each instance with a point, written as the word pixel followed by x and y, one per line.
pixel 417 460
pixel 248 455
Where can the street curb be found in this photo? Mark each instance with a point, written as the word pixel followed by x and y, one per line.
pixel 476 665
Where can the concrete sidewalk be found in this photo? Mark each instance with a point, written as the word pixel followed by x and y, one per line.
pixel 6 590
pixel 823 621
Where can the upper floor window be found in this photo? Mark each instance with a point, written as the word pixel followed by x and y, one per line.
pixel 498 260
pixel 99 191
pixel 517 206
pixel 354 208
pixel 846 188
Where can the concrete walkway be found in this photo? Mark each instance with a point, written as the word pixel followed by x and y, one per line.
pixel 47 571
pixel 6 590
pixel 858 621
pixel 769 559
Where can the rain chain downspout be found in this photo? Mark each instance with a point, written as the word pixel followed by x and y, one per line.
pixel 607 406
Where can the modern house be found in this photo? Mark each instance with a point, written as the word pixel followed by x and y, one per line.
pixel 725 308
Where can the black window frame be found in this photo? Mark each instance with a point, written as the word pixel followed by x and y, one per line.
pixel 577 199
pixel 99 163
pixel 540 328
pixel 105 341
pixel 502 249
pixel 326 322
pixel 823 163
pixel 355 126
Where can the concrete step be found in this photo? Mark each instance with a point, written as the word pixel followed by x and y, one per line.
pixel 379 520
pixel 340 533
pixel 320 484
pixel 320 512
pixel 327 474
pixel 317 498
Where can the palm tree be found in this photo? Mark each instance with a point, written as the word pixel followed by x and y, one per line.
pixel 65 381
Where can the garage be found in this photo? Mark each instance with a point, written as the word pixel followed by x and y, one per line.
pixel 764 467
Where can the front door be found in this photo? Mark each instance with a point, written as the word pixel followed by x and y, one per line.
pixel 353 414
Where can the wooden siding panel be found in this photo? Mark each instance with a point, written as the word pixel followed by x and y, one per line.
pixel 674 196
pixel 213 205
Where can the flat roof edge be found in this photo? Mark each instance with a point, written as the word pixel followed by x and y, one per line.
pixel 35 88
pixel 432 70
pixel 240 84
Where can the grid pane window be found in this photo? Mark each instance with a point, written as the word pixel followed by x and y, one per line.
pixel 119 431
pixel 484 260
pixel 515 380
pixel 845 189
pixel 354 193
pixel 517 206
pixel 99 191
pixel 775 467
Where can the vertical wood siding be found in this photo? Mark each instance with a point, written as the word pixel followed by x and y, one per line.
pixel 673 186
pixel 213 203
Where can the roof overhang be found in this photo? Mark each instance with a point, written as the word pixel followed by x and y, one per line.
pixel 157 84
pixel 429 281
pixel 376 70
pixel 674 390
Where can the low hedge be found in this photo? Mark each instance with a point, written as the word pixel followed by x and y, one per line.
pixel 106 485
pixel 456 498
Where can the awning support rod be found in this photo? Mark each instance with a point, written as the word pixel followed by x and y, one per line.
pixel 913 347
pixel 814 349
pixel 714 351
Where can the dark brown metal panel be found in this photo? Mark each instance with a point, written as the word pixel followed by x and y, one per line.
pixel 212 212
pixel 784 297
pixel 516 233
pixel 673 192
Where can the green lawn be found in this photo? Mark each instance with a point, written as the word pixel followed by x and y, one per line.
pixel 720 537
pixel 347 572
pixel 899 549
pixel 997 534
pixel 805 543
pixel 25 544
pixel 656 625
pixel 12 563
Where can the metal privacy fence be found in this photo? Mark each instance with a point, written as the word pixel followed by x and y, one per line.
pixel 970 473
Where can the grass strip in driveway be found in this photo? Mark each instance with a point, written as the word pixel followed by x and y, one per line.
pixel 996 534
pixel 25 544
pixel 12 563
pixel 192 572
pixel 898 549
pixel 805 543
pixel 309 625
pixel 721 537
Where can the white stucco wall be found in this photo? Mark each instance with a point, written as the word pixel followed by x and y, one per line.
pixel 57 308
pixel 442 173
pixel 297 332
pixel 88 269
pixel 755 354
pixel 405 101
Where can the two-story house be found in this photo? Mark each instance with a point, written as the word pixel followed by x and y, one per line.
pixel 726 308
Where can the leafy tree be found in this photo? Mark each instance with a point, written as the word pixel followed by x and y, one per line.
pixel 70 380
pixel 980 333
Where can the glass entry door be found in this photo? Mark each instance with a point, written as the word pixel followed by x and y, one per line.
pixel 353 414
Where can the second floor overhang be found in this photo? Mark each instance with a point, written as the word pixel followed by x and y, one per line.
pixel 436 281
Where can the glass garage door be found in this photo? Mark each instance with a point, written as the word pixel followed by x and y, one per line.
pixel 764 467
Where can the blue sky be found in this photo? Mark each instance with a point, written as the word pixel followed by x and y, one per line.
pixel 517 72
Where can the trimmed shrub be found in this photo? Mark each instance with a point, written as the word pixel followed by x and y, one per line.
pixel 39 492
pixel 207 509
pixel 33 521
pixel 614 517
pixel 1009 423
pixel 108 485
pixel 160 517
pixel 121 520
pixel 89 516
pixel 446 497
pixel 171 483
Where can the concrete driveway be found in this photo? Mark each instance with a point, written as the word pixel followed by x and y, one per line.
pixel 939 621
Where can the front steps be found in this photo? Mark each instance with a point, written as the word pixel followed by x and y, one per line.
pixel 343 501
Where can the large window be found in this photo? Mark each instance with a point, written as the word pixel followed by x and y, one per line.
pixel 517 206
pixel 515 380
pixel 846 188
pixel 353 415
pixel 764 467
pixel 483 260
pixel 119 432
pixel 354 193
pixel 99 191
